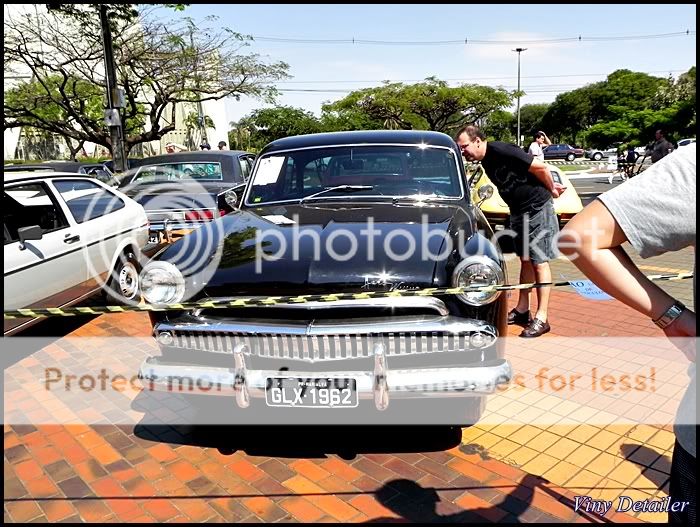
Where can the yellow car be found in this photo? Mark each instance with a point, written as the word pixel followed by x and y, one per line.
pixel 495 209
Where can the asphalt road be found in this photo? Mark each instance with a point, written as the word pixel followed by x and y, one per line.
pixel 589 186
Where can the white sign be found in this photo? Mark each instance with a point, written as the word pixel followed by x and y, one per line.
pixel 279 220
pixel 588 289
pixel 269 170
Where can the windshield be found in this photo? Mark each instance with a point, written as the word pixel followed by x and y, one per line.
pixel 200 171
pixel 387 171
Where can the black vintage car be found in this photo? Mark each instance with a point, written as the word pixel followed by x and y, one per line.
pixel 328 213
pixel 182 191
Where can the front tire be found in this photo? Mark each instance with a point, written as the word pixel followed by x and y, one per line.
pixel 123 284
pixel 597 156
pixel 570 157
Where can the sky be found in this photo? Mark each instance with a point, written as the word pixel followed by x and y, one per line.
pixel 546 69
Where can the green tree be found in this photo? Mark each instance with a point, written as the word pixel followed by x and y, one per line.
pixel 267 124
pixel 427 105
pixel 531 118
pixel 599 111
pixel 160 63
pixel 193 124
pixel 500 125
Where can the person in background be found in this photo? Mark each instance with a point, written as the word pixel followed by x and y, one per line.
pixel 660 148
pixel 630 160
pixel 205 146
pixel 655 212
pixel 535 149
pixel 526 185
pixel 171 147
pixel 222 145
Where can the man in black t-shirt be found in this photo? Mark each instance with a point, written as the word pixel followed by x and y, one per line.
pixel 660 147
pixel 527 187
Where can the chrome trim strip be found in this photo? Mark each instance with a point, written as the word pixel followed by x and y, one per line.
pixel 359 326
pixel 408 302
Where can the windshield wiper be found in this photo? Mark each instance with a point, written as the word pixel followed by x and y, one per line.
pixel 339 188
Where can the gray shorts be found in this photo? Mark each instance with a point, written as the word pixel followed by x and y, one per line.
pixel 535 234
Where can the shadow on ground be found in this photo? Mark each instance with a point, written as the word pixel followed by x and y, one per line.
pixel 307 441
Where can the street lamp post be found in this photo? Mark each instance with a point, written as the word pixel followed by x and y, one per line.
pixel 114 98
pixel 519 51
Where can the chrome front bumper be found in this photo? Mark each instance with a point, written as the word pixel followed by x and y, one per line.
pixel 379 385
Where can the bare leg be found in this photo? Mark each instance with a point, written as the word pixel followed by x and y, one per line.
pixel 543 274
pixel 527 276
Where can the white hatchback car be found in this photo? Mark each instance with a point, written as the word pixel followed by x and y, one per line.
pixel 68 236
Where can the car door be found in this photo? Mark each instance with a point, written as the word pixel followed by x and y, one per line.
pixel 95 210
pixel 48 272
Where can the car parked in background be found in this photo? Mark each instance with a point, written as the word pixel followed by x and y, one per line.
pixel 562 151
pixel 432 358
pixel 597 154
pixel 97 170
pixel 67 237
pixel 182 191
pixel 686 142
pixel 566 206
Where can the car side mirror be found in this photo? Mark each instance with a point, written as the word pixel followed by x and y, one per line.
pixel 231 199
pixel 33 232
pixel 484 193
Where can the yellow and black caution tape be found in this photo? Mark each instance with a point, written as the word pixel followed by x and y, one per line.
pixel 299 299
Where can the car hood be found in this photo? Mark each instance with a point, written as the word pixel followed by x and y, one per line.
pixel 309 249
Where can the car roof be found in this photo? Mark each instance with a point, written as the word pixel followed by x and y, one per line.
pixel 26 168
pixel 10 177
pixel 407 137
pixel 64 165
pixel 183 157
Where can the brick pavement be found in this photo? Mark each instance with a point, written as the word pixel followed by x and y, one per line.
pixel 498 470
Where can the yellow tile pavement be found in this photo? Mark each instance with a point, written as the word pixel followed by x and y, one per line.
pixel 540 464
pixel 621 459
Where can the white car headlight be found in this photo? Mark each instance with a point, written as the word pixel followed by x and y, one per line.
pixel 476 271
pixel 162 283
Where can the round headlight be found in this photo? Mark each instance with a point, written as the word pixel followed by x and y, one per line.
pixel 162 283
pixel 477 271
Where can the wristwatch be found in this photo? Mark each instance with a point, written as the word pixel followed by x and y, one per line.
pixel 671 314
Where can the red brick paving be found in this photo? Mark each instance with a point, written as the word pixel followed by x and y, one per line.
pixel 302 490
pixel 111 473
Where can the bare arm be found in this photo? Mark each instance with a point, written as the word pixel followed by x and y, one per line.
pixel 547 142
pixel 598 254
pixel 541 172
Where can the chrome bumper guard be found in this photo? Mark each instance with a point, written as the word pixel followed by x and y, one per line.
pixel 381 385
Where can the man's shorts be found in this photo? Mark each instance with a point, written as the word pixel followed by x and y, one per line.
pixel 536 233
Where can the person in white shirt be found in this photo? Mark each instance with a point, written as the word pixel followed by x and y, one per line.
pixel 535 149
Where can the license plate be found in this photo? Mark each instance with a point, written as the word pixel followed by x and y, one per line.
pixel 311 393
pixel 154 238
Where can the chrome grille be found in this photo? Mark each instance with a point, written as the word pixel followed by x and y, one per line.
pixel 323 347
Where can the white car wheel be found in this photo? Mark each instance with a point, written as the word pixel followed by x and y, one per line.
pixel 123 285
